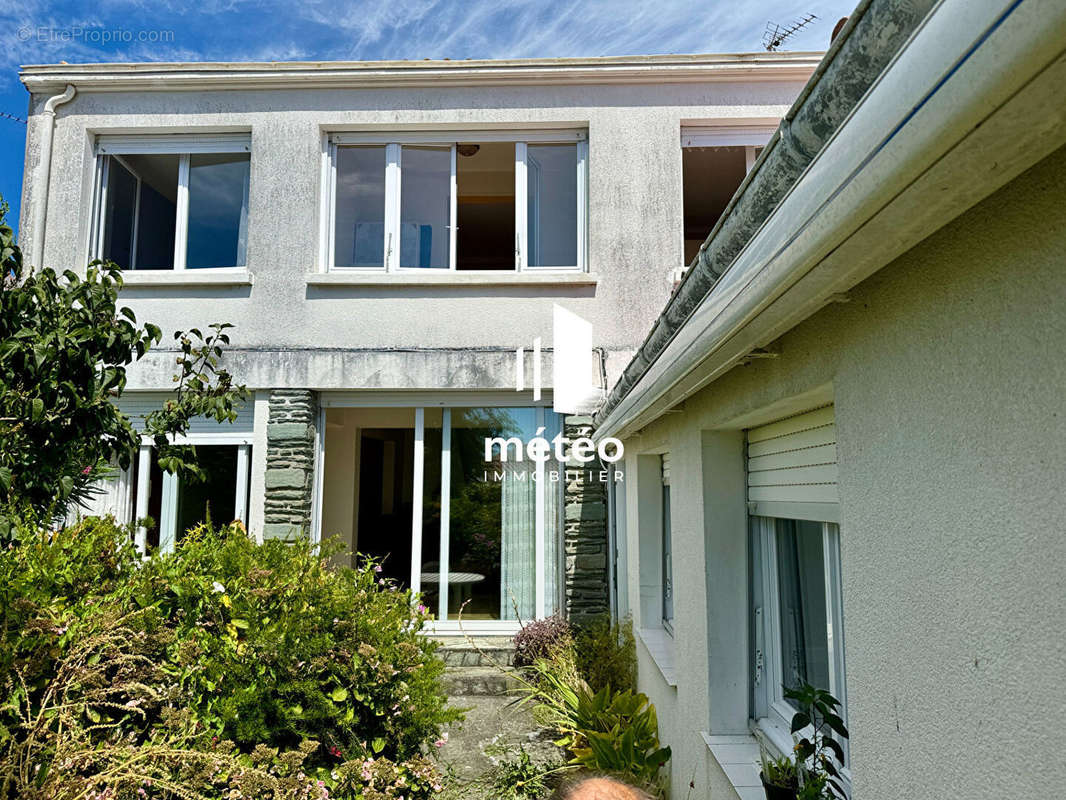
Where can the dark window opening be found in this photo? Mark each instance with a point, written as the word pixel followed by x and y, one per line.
pixel 710 178
pixel 485 180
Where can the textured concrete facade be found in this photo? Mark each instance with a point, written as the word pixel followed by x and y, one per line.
pixel 584 532
pixel 946 375
pixel 290 463
pixel 296 328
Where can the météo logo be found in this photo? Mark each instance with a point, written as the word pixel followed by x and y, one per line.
pixel 573 393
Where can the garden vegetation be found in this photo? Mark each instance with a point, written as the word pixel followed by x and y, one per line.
pixel 226 669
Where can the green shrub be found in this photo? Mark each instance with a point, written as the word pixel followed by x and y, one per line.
pixel 611 732
pixel 227 658
pixel 606 653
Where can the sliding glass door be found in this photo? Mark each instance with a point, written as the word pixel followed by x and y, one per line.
pixel 475 530
pixel 494 556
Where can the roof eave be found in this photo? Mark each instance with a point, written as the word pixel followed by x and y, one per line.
pixel 271 75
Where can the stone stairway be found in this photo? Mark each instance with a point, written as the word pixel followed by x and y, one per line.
pixel 480 680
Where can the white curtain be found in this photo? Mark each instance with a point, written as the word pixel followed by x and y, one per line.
pixel 114 497
pixel 518 540
pixel 518 504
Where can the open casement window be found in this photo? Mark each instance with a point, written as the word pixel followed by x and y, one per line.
pixel 797 614
pixel 714 162
pixel 172 202
pixel 455 200
pixel 667 549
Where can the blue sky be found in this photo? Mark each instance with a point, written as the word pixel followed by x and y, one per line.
pixel 39 32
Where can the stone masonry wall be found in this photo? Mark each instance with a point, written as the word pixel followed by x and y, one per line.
pixel 290 463
pixel 585 533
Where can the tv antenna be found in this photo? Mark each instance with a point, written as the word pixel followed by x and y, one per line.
pixel 776 35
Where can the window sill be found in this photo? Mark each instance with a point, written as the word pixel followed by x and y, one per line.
pixel 660 646
pixel 451 278
pixel 738 756
pixel 187 277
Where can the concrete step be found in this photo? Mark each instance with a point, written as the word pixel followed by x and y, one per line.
pixel 478 681
pixel 468 655
pixel 493 728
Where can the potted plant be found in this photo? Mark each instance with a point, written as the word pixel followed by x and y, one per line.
pixel 778 777
pixel 817 729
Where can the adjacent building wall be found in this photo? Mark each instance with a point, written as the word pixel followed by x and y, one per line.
pixel 947 373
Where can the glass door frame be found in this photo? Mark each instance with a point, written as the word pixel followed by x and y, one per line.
pixel 447 401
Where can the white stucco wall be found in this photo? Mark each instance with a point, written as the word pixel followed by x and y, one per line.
pixel 634 177
pixel 947 373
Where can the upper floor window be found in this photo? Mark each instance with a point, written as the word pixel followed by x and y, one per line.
pixel 172 202
pixel 455 200
pixel 714 162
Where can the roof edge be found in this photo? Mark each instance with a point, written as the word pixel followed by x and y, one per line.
pixel 874 34
pixel 164 76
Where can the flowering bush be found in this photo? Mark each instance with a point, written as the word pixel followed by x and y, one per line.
pixel 538 639
pixel 226 669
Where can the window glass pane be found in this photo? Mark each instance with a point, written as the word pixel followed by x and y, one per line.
pixel 493 517
pixel 551 173
pixel 139 225
pixel 119 214
pixel 425 207
pixel 218 210
pixel 668 560
pixel 484 176
pixel 214 495
pixel 359 233
pixel 431 510
pixel 804 648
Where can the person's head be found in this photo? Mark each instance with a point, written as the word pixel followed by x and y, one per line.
pixel 598 788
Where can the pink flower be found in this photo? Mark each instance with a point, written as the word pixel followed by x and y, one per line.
pixel 335 752
pixel 86 471
pixel 377 568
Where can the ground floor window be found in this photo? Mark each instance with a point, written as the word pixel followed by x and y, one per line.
pixel 170 505
pixel 412 487
pixel 667 580
pixel 797 613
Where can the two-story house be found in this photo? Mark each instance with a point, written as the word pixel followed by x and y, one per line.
pixel 385 237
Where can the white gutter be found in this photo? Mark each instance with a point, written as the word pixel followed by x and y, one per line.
pixel 44 171
pixel 970 102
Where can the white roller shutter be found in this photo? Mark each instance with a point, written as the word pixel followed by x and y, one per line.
pixel 137 405
pixel 792 467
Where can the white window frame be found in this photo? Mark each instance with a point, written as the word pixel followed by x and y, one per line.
pixel 666 553
pixel 168 506
pixel 394 143
pixel 420 402
pixel 182 145
pixel 773 714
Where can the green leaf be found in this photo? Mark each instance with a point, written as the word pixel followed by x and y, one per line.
pixel 339 695
pixel 800 721
pixel 377 745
